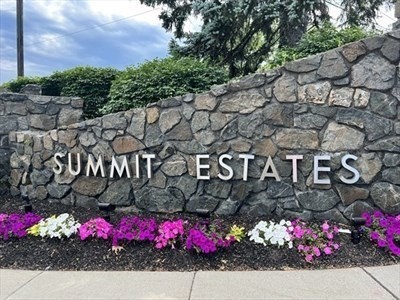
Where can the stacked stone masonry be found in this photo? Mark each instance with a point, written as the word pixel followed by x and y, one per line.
pixel 345 101
pixel 31 112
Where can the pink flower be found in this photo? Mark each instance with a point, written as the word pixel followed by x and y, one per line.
pixel 316 251
pixel 300 247
pixel 328 250
pixel 336 246
pixel 298 232
pixel 325 226
pixel 309 258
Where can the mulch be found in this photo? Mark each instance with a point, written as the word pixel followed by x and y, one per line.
pixel 32 253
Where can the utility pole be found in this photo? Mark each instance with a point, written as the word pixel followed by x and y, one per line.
pixel 20 38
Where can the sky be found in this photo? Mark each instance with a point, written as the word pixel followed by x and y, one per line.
pixel 62 34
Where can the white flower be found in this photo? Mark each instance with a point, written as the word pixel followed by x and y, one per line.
pixel 271 233
pixel 62 226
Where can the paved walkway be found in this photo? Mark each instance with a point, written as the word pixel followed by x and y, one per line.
pixel 355 283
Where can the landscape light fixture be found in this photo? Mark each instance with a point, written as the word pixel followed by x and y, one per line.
pixel 356 232
pixel 203 212
pixel 106 209
pixel 25 181
pixel 28 204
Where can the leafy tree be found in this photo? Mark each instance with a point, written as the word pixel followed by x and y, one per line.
pixel 159 79
pixel 361 12
pixel 316 41
pixel 241 34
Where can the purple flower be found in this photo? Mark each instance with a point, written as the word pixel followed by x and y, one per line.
pixel 207 238
pixel 393 240
pixel 135 229
pixel 168 233
pixel 384 222
pixel 17 224
pixel 374 235
pixel 381 243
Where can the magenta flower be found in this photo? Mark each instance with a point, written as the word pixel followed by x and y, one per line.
pixel 316 251
pixel 17 224
pixel 97 227
pixel 384 230
pixel 328 250
pixel 393 239
pixel 317 240
pixel 135 229
pixel 168 233
pixel 325 226
pixel 381 243
pixel 207 238
pixel 374 235
pixel 298 232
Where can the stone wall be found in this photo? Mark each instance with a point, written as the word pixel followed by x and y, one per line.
pixel 345 101
pixel 31 112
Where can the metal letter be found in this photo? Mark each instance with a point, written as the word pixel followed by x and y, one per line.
pixel 318 169
pixel 246 158
pixel 120 170
pixel 149 157
pixel 95 168
pixel 349 168
pixel 70 162
pixel 225 166
pixel 294 159
pixel 58 163
pixel 265 173
pixel 137 166
pixel 199 167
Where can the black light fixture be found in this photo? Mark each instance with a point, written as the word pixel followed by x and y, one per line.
pixel 25 181
pixel 203 212
pixel 356 232
pixel 106 209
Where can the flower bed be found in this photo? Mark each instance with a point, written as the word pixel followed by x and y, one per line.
pixel 81 240
pixel 310 240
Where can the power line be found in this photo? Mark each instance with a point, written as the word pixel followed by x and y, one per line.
pixel 87 28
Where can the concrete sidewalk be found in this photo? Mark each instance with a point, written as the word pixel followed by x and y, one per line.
pixel 355 283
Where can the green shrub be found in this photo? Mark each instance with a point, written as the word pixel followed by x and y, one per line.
pixel 16 85
pixel 316 41
pixel 160 79
pixel 90 83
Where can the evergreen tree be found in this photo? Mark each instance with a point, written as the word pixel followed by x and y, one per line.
pixel 240 34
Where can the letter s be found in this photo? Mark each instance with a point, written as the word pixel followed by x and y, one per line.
pixel 349 168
